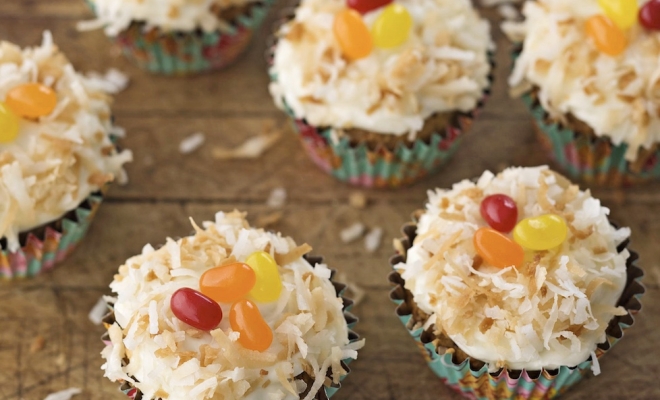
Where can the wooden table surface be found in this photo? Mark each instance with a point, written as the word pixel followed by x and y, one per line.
pixel 167 187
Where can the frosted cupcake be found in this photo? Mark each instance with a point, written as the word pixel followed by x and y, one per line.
pixel 515 285
pixel 180 37
pixel 381 95
pixel 232 312
pixel 56 156
pixel 589 75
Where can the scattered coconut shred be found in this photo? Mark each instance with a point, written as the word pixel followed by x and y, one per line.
pixel 163 357
pixel 66 394
pixel 59 159
pixel 553 310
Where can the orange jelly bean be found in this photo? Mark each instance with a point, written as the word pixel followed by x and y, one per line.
pixel 31 100
pixel 498 250
pixel 245 318
pixel 228 283
pixel 606 35
pixel 352 34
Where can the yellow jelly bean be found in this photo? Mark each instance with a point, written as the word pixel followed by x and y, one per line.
pixel 31 100
pixel 541 233
pixel 622 12
pixel 607 36
pixel 269 284
pixel 352 34
pixel 8 124
pixel 392 27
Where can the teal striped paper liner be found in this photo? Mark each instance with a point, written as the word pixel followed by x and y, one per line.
pixel 380 168
pixel 48 245
pixel 326 392
pixel 477 383
pixel 186 53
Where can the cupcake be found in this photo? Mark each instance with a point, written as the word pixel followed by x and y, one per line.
pixel 588 74
pixel 515 285
pixel 231 312
pixel 179 37
pixel 381 93
pixel 56 156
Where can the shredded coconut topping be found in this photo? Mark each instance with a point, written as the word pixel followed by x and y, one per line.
pixel 553 310
pixel 442 67
pixel 618 97
pixel 57 160
pixel 167 15
pixel 167 358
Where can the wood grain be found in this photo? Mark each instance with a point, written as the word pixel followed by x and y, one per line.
pixel 166 188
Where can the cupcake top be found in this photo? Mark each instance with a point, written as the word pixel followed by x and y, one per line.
pixel 167 15
pixel 421 57
pixel 612 85
pixel 168 358
pixel 552 307
pixel 55 146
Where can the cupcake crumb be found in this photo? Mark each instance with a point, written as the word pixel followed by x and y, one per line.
pixel 358 200
pixel 37 344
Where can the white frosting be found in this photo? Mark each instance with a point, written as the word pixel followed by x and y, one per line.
pixel 167 15
pixel 552 311
pixel 618 97
pixel 310 333
pixel 60 159
pixel 442 67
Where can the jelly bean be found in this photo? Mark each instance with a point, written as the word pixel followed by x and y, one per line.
pixel 364 6
pixel 352 34
pixel 607 37
pixel 500 211
pixel 269 285
pixel 228 283
pixel 649 15
pixel 541 233
pixel 8 124
pixel 622 12
pixel 195 309
pixel 392 27
pixel 31 100
pixel 497 249
pixel 245 318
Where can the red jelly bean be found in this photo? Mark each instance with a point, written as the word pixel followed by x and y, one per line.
pixel 195 309
pixel 364 6
pixel 500 211
pixel 649 15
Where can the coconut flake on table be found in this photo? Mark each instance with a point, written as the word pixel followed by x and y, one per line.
pixel 66 394
pixel 372 239
pixel 352 232
pixel 253 147
pixel 277 198
pixel 99 311
pixel 192 143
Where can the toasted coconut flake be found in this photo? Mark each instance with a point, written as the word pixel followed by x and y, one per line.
pixel 294 254
pixel 251 148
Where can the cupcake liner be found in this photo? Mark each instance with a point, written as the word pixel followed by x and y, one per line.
pixel 475 382
pixel 326 392
pixel 184 53
pixel 43 247
pixel 360 165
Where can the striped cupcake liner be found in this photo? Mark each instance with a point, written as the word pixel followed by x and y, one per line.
pixel 477 383
pixel 591 159
pixel 185 53
pixel 43 247
pixel 325 393
pixel 380 168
